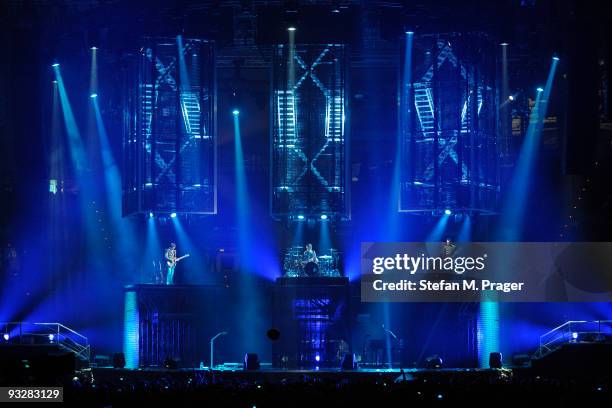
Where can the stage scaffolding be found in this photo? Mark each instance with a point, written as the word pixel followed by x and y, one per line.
pixel 309 131
pixel 449 126
pixel 312 315
pixel 170 130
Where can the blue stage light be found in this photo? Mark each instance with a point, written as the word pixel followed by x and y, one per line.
pixel 575 336
pixel 540 89
pixel 6 337
pixel 409 32
pixel 511 97
pixel 51 337
pixel 148 184
pixel 235 112
pixel 173 215
pixel 300 217
pixel 55 65
pixel 93 95
pixel 447 212
pixel 151 215
pixel 317 357
pixel 94 48
pixel 504 44
pixel 323 216
pixel 556 58
pixel 290 28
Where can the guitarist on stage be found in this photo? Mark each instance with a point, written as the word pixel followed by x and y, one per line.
pixel 171 261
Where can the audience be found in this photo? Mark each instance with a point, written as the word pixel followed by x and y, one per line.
pixel 502 388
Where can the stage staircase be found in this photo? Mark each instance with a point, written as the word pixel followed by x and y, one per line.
pixel 574 332
pixel 47 333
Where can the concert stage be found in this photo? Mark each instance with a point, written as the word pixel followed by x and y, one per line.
pixel 327 190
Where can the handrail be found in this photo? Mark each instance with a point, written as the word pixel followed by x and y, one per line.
pixel 67 338
pixel 563 333
pixel 66 328
pixel 564 324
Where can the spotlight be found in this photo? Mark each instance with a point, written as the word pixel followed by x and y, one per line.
pixel 300 217
pixel 151 215
pixel 317 357
pixel 173 215
pixel 94 48
pixel 323 216
pixel 575 336
pixel 235 112
pixel 93 95
pixel 6 337
pixel 55 65
pixel 504 44
pixel 54 81
pixel 51 337
pixel 447 212
pixel 540 89
pixel 291 28
pixel 555 58
pixel 409 32
pixel 335 10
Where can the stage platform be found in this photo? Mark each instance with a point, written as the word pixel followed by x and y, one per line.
pixel 168 321
pixel 278 376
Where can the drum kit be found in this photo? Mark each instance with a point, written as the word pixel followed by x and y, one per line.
pixel 293 265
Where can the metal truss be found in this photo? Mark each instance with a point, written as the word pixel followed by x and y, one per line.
pixel 170 151
pixel 190 110
pixel 442 135
pixel 423 102
pixel 300 156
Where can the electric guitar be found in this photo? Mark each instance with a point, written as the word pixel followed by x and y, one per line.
pixel 172 263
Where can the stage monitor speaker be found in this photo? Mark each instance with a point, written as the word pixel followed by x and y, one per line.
pixel 348 362
pixel 251 361
pixel 118 360
pixel 521 360
pixel 495 360
pixel 102 360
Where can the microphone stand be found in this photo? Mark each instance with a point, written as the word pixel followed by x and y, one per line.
pixel 212 348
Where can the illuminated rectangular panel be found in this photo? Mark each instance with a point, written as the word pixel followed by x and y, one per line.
pixel 448 127
pixel 131 328
pixel 487 332
pixel 309 131
pixel 170 130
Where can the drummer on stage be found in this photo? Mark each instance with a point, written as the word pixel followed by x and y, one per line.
pixel 310 255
